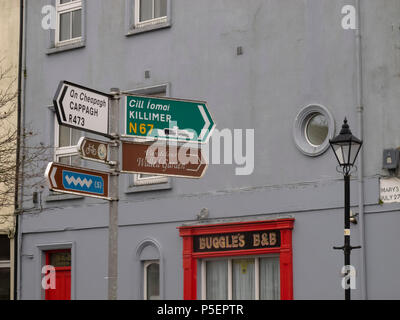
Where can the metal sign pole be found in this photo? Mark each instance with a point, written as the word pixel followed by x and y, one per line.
pixel 113 203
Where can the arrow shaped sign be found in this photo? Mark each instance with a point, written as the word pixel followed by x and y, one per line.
pixel 82 108
pixel 162 159
pixel 73 180
pixel 95 150
pixel 52 177
pixel 168 119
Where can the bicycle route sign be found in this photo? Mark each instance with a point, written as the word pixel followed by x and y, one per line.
pixel 94 150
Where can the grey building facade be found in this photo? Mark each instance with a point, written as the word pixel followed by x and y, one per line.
pixel 271 66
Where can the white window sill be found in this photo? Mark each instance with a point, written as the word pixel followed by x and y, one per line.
pixel 66 47
pixel 148 27
pixel 149 187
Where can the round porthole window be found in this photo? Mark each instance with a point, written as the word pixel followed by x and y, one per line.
pixel 317 129
pixel 313 127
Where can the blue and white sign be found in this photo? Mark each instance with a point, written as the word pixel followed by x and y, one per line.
pixel 75 181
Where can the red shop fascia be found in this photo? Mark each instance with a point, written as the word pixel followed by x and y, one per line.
pixel 278 232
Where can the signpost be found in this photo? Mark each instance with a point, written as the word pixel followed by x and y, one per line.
pixel 113 204
pixel 163 159
pixel 167 119
pixel 73 180
pixel 173 120
pixel 82 108
pixel 94 150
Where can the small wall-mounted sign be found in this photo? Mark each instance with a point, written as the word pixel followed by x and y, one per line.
pixel 237 241
pixel 390 190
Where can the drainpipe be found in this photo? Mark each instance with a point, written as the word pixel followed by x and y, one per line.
pixel 18 157
pixel 360 110
pixel 21 143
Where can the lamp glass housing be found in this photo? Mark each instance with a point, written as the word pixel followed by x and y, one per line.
pixel 346 152
pixel 346 146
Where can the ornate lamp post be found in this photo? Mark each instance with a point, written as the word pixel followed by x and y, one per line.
pixel 346 148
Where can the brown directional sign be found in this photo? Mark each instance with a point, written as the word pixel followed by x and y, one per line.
pixel 163 159
pixel 94 150
pixel 73 180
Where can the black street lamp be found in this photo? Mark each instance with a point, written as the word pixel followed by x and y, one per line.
pixel 346 148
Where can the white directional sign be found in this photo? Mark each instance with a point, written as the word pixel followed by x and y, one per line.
pixel 82 108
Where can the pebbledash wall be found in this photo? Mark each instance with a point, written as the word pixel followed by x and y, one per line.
pixel 258 64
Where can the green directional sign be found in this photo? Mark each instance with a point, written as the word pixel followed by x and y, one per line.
pixel 168 119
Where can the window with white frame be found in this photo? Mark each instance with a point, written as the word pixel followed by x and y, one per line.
pixel 65 142
pixel 69 21
pixel 150 12
pixel 140 179
pixel 243 278
pixel 151 280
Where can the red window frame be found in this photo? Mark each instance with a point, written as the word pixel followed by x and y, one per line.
pixel 285 226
